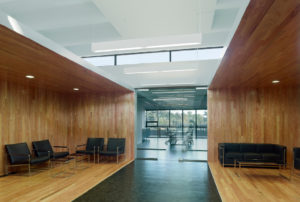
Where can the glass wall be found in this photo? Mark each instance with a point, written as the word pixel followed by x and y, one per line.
pixel 177 121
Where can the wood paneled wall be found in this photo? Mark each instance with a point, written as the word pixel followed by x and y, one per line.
pixel 103 115
pixel 28 114
pixel 264 115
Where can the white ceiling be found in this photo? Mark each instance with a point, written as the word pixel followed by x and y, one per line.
pixel 76 24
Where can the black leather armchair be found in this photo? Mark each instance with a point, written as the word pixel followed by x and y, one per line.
pixel 43 147
pixel 92 147
pixel 297 158
pixel 115 147
pixel 19 155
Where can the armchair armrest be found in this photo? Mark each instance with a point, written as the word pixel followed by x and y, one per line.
pixel 61 147
pixel 80 145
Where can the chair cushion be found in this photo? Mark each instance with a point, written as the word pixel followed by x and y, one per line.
pixel 271 157
pixel 57 155
pixel 232 147
pixel 248 156
pixel 18 153
pixel 39 160
pixel 297 152
pixel 42 147
pixel 94 142
pixel 249 148
pixel 265 148
pixel 234 155
pixel 114 143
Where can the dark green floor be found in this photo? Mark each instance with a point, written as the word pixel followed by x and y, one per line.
pixel 157 181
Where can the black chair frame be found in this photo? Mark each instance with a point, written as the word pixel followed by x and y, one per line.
pixel 28 164
pixel 120 149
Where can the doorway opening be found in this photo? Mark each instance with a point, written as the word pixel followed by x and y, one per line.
pixel 172 124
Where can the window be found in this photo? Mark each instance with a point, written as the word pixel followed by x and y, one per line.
pixel 101 61
pixel 143 58
pixel 176 118
pixel 151 118
pixel 201 117
pixel 163 118
pixel 189 118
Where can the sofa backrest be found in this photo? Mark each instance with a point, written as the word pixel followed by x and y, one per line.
pixel 245 147
pixel 253 147
pixel 232 147
pixel 265 148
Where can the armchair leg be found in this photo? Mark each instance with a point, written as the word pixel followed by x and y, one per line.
pixel 94 154
pixel 29 170
pixel 117 155
pixel 6 165
pixel 98 154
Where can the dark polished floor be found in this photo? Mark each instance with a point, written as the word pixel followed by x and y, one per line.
pixel 164 180
pixel 157 181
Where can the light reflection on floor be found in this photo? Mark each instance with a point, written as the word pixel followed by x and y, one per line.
pixel 172 153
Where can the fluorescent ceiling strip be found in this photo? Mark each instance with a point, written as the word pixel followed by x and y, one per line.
pixel 148 43
pixel 201 88
pixel 147 47
pixel 163 71
pixel 118 49
pixel 167 99
pixel 164 84
pixel 171 92
pixel 143 90
pixel 173 45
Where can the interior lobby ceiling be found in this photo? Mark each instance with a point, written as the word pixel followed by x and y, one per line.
pixel 75 25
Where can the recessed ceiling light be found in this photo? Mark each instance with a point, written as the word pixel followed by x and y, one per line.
pixel 168 99
pixel 275 81
pixel 76 89
pixel 162 71
pixel 29 76
pixel 143 89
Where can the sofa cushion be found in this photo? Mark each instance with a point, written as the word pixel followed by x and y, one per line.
pixel 232 147
pixel 248 148
pixel 234 155
pixel 271 157
pixel 265 148
pixel 248 156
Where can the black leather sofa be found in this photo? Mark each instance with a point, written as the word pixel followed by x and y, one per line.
pixel 297 158
pixel 228 152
